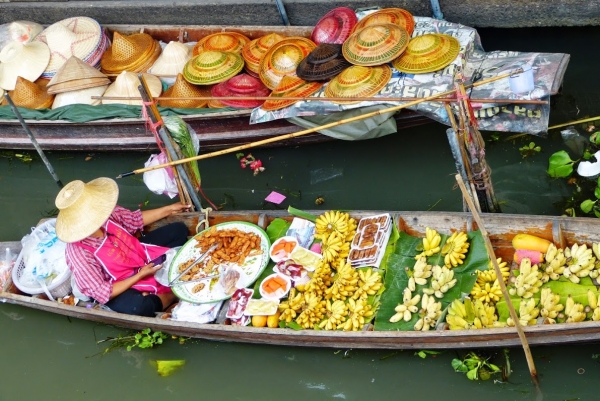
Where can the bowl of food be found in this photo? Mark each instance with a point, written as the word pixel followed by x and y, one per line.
pixel 282 248
pixel 275 286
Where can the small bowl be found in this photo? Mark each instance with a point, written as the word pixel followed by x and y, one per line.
pixel 282 255
pixel 305 257
pixel 278 294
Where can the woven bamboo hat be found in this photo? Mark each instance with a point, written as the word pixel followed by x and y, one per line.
pixel 283 58
pixel 216 104
pixel 126 85
pixel 212 67
pixel 81 96
pixel 253 51
pixel 77 36
pixel 396 16
pixel 172 60
pixel 134 53
pixel 75 75
pixel 242 85
pixel 290 87
pixel 335 26
pixel 428 53
pixel 375 44
pixel 22 60
pixel 323 63
pixel 358 81
pixel 84 207
pixel 182 88
pixel 30 95
pixel 231 42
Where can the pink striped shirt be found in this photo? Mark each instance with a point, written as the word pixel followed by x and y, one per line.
pixel 90 277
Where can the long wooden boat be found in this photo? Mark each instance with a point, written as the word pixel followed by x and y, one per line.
pixel 216 130
pixel 501 227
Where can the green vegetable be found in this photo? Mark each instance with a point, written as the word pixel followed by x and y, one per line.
pixel 181 135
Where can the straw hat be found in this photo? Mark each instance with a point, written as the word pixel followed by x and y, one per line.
pixel 134 53
pixel 428 53
pixel 182 88
pixel 323 63
pixel 358 81
pixel 375 44
pixel 212 67
pixel 290 87
pixel 396 16
pixel 75 75
pixel 283 58
pixel 77 36
pixel 82 96
pixel 253 51
pixel 172 60
pixel 126 85
pixel 84 207
pixel 23 31
pixel 30 95
pixel 216 104
pixel 22 60
pixel 335 26
pixel 241 85
pixel 221 42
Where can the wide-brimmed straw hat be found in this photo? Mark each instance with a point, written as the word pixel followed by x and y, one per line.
pixel 396 16
pixel 126 85
pixel 253 51
pixel 22 31
pixel 22 60
pixel 184 89
pixel 232 42
pixel 242 85
pixel 135 53
pixel 75 75
pixel 375 44
pixel 172 60
pixel 335 26
pixel 323 63
pixel 283 58
pixel 428 53
pixel 77 36
pixel 212 67
pixel 358 81
pixel 290 86
pixel 30 95
pixel 84 207
pixel 81 96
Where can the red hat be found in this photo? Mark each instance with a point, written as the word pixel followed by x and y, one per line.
pixel 243 85
pixel 335 26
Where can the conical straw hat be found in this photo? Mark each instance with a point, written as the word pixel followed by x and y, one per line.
pixel 241 85
pixel 396 16
pixel 229 42
pixel 375 44
pixel 253 51
pixel 283 58
pixel 172 60
pixel 30 95
pixel 335 26
pixel 358 81
pixel 182 88
pixel 323 63
pixel 78 84
pixel 84 207
pixel 82 96
pixel 428 53
pixel 212 67
pixel 130 53
pixel 22 60
pixel 290 87
pixel 216 104
pixel 74 74
pixel 126 85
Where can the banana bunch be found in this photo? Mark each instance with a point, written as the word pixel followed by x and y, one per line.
pixel 330 222
pixel 313 311
pixel 420 273
pixel 319 282
pixel 550 305
pixel 455 249
pixel 345 282
pixel 429 313
pixel 594 303
pixel 529 280
pixel 368 284
pixel 574 311
pixel 485 315
pixel 357 312
pixel 407 307
pixel 337 312
pixel 528 313
pixel 442 279
pixel 504 269
pixel 431 243
pixel 457 315
pixel 334 246
pixel 486 292
pixel 580 263
pixel 555 262
pixel 290 308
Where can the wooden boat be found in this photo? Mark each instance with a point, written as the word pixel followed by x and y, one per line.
pixel 501 227
pixel 216 130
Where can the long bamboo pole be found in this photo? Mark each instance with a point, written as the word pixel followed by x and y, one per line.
pixel 310 130
pixel 585 120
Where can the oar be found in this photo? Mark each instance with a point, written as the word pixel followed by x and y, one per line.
pixel 33 140
pixel 491 253
pixel 321 127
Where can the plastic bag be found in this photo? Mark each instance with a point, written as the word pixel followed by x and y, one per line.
pixel 6 265
pixel 196 313
pixel 162 275
pixel 20 31
pixel 43 257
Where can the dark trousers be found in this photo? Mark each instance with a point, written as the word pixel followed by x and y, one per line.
pixel 171 235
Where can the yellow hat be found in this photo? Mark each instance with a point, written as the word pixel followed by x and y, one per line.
pixel 290 87
pixel 428 53
pixel 375 44
pixel 212 67
pixel 253 51
pixel 358 81
pixel 283 58
pixel 396 16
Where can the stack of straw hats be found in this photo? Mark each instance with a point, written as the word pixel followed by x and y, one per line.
pixel 253 51
pixel 126 86
pixel 183 89
pixel 323 63
pixel 283 58
pixel 335 26
pixel 375 44
pixel 290 86
pixel 243 85
pixel 428 53
pixel 396 16
pixel 172 60
pixel 358 81
pixel 211 67
pixel 221 42
pixel 26 60
pixel 30 95
pixel 133 53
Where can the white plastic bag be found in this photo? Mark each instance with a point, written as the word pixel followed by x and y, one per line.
pixel 43 257
pixel 196 313
pixel 160 181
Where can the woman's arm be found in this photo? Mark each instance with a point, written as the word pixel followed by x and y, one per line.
pixel 150 216
pixel 121 286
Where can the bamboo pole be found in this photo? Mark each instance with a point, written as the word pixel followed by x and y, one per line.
pixel 585 120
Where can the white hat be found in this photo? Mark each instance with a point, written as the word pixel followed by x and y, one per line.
pixel 22 60
pixel 126 85
pixel 82 96
pixel 172 60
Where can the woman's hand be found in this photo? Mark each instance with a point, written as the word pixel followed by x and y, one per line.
pixel 148 270
pixel 177 208
pixel 150 216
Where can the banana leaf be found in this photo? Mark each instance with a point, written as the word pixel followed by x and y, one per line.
pixel 181 135
pixel 277 229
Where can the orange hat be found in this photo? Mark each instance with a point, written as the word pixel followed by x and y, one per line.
pixel 182 88
pixel 30 95
pixel 253 51
pixel 283 58
pixel 375 44
pixel 222 42
pixel 396 16
pixel 358 81
pixel 133 53
pixel 290 86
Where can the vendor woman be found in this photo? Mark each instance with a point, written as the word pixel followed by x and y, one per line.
pixel 108 253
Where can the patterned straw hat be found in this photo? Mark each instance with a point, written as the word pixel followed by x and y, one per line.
pixel 396 16
pixel 375 44
pixel 75 75
pixel 81 96
pixel 134 53
pixel 222 42
pixel 242 85
pixel 172 60
pixel 30 95
pixel 323 63
pixel 290 87
pixel 358 81
pixel 216 104
pixel 126 85
pixel 335 26
pixel 212 67
pixel 182 88
pixel 22 60
pixel 255 49
pixel 283 58
pixel 428 53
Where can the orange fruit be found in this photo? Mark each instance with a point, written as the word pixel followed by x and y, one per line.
pixel 259 321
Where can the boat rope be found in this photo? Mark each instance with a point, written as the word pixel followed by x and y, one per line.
pixel 153 127
pixel 204 222
pixel 437 10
